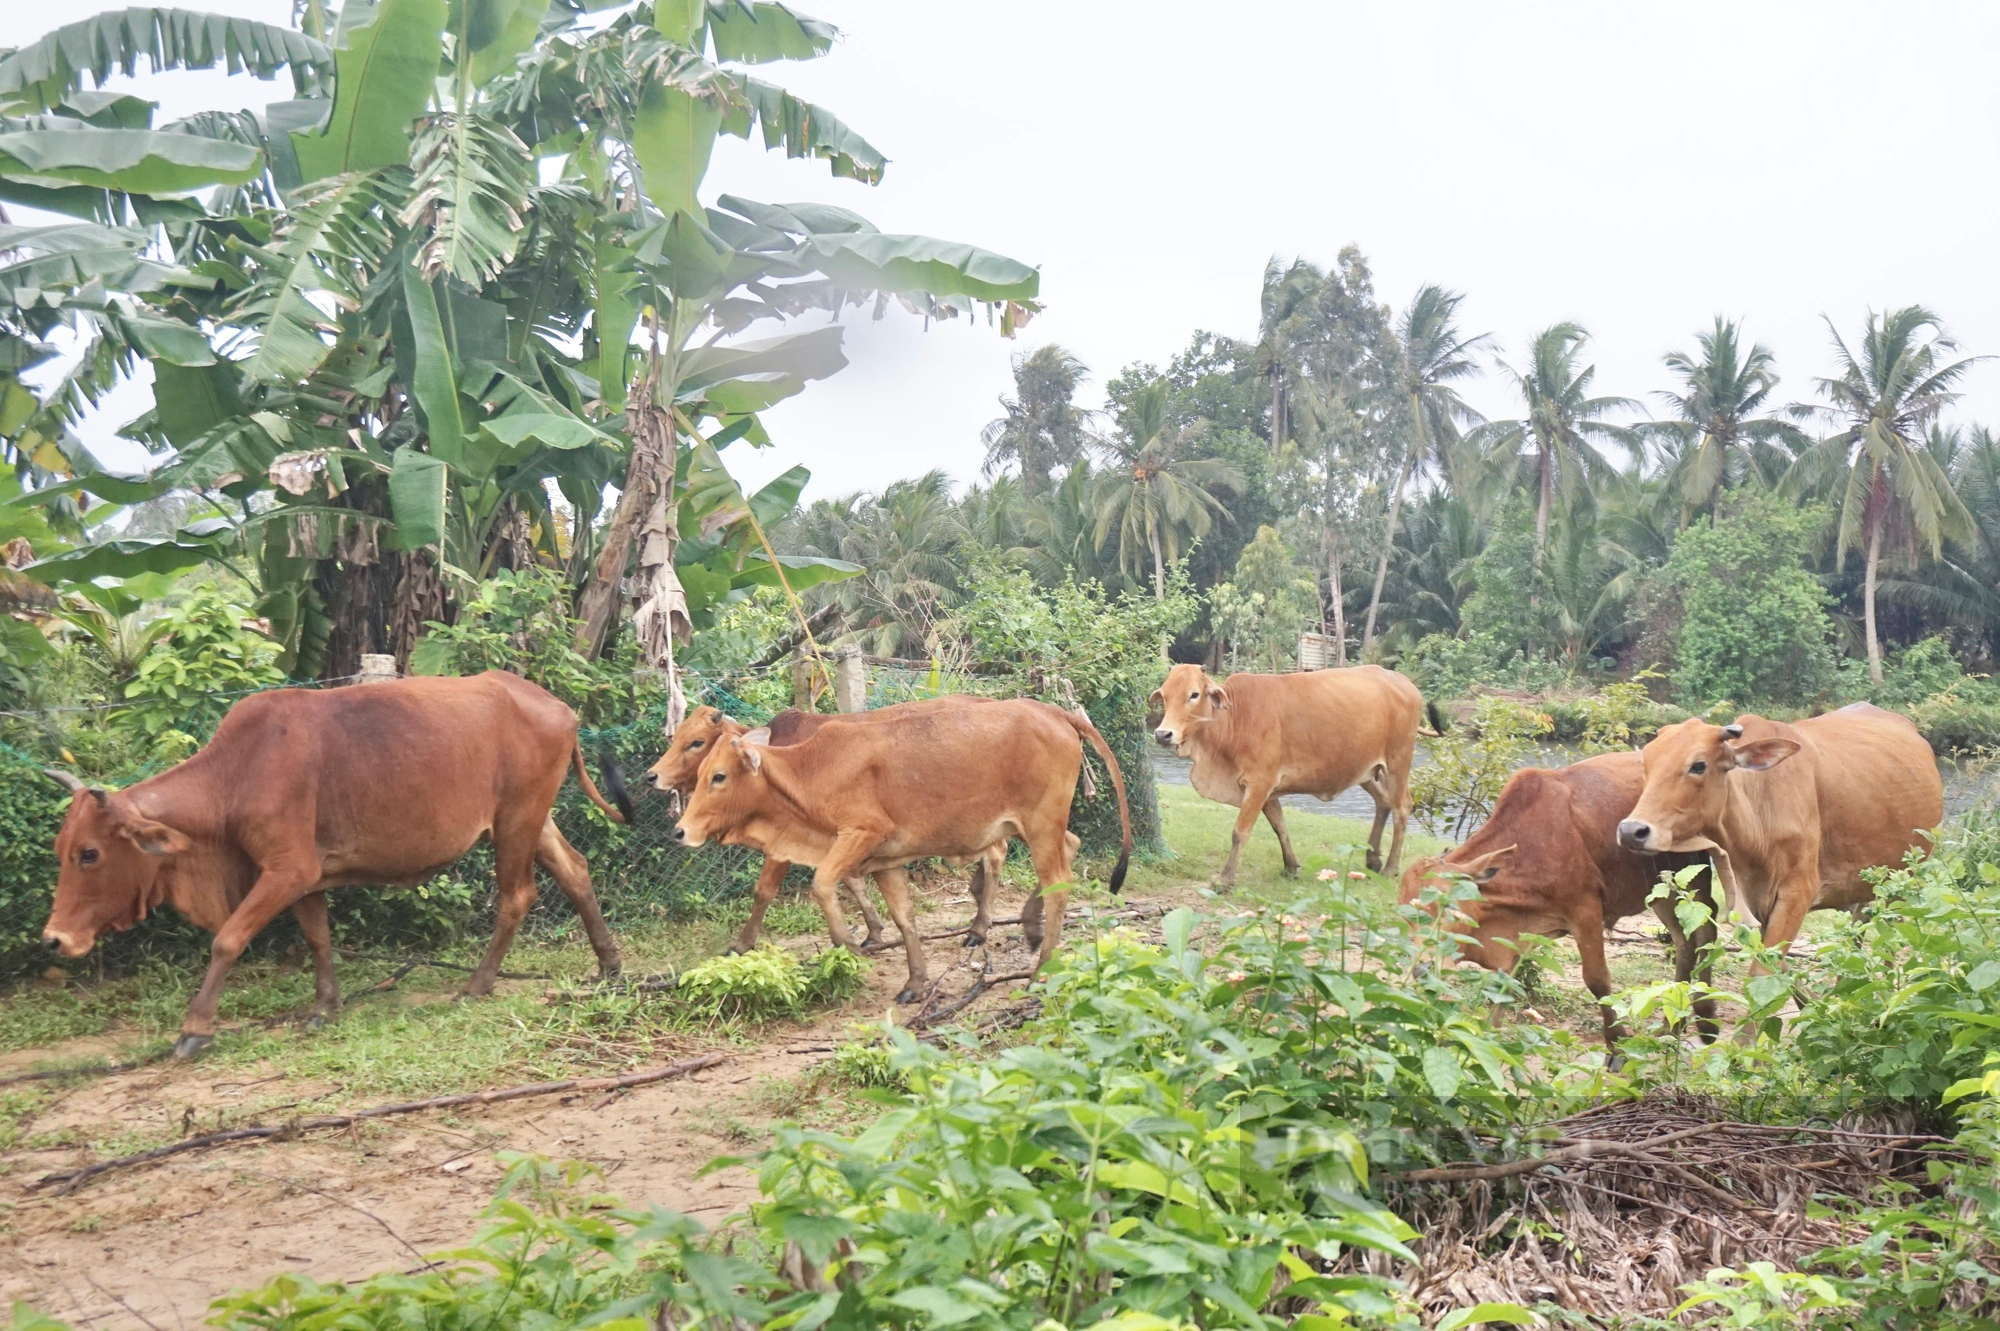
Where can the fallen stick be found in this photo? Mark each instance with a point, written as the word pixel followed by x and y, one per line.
pixel 69 1181
pixel 87 1070
pixel 1582 1150
pixel 979 986
pixel 411 963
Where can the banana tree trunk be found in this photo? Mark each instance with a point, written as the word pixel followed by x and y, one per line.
pixel 599 607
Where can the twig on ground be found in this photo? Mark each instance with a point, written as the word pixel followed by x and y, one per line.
pixel 119 1299
pixel 88 1070
pixel 387 1228
pixel 411 963
pixel 68 1181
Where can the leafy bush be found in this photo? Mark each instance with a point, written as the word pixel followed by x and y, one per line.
pixel 1070 645
pixel 1261 609
pixel 1754 628
pixel 1456 789
pixel 31 813
pixel 768 982
pixel 520 621
pixel 210 654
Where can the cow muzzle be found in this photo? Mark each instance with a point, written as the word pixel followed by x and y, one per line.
pixel 1165 736
pixel 683 837
pixel 65 945
pixel 1642 837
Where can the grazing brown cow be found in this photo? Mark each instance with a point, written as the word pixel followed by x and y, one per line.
pixel 696 737
pixel 1795 812
pixel 303 790
pixel 1548 862
pixel 859 796
pixel 1255 738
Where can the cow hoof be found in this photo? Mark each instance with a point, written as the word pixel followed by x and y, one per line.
pixel 870 946
pixel 190 1045
pixel 974 939
pixel 908 996
pixel 1374 862
pixel 1291 871
pixel 1616 1063
pixel 317 1021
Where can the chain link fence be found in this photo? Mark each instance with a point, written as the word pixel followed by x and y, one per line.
pixel 640 874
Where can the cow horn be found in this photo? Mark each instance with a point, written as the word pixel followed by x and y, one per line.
pixel 1733 730
pixel 68 780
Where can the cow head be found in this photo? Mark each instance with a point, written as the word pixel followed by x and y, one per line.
pixel 114 861
pixel 1687 788
pixel 1188 701
pixel 727 789
pixel 1496 919
pixel 694 739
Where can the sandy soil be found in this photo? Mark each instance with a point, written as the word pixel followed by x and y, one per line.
pixel 152 1246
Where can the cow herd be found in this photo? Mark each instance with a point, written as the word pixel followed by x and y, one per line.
pixel 301 791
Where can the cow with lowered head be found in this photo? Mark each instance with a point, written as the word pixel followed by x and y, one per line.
pixel 305 790
pixel 1255 738
pixel 1548 862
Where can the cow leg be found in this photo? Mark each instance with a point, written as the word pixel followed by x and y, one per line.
pixel 1051 901
pixel 276 888
pixel 1791 898
pixel 1401 806
pixel 895 885
pixel 1374 786
pixel 848 853
pixel 1275 812
pixel 310 911
pixel 769 879
pixel 1246 819
pixel 985 880
pixel 571 871
pixel 514 872
pixel 1586 925
pixel 878 937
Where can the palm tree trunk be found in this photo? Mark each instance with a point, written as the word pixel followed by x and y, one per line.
pixel 1388 545
pixel 1548 480
pixel 1277 410
pixel 1159 566
pixel 1339 604
pixel 1868 600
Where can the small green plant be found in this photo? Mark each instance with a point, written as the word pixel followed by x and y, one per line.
pixel 866 1065
pixel 769 982
pixel 1754 627
pixel 1468 766
pixel 210 654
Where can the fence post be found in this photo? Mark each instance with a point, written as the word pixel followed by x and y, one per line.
pixel 376 669
pixel 802 679
pixel 850 680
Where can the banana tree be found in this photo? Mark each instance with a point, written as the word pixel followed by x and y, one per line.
pixel 461 272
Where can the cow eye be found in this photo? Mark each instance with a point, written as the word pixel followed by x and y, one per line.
pixel 697 744
pixel 716 780
pixel 1700 766
pixel 88 855
pixel 1194 697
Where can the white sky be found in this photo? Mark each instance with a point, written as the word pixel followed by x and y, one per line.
pixel 1638 168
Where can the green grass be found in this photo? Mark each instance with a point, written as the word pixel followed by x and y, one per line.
pixel 1198 832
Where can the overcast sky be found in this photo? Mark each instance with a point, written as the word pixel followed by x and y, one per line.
pixel 1637 168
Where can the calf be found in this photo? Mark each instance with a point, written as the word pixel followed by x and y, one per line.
pixel 1548 862
pixel 303 790
pixel 858 796
pixel 1254 738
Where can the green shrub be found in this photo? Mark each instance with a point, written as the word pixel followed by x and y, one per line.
pixel 1754 628
pixel 31 813
pixel 1456 789
pixel 209 656
pixel 769 982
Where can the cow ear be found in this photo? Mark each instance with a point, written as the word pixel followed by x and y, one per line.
pixel 154 838
pixel 1156 701
pixel 1219 696
pixel 761 735
pixel 751 754
pixel 1760 754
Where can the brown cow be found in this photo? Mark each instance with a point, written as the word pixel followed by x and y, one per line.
pixel 303 790
pixel 859 796
pixel 1548 862
pixel 1255 738
pixel 1795 812
pixel 696 737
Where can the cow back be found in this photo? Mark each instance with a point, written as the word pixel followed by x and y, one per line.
pixel 1317 732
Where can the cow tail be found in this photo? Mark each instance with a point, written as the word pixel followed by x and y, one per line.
pixel 1438 723
pixel 613 779
pixel 1085 730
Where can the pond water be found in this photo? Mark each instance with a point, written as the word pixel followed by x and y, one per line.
pixel 1964 784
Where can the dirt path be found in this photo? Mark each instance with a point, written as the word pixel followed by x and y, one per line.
pixel 152 1246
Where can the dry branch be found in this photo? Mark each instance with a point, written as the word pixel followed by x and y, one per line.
pixel 68 1181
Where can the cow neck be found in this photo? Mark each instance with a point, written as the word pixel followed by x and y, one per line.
pixel 1219 730
pixel 206 883
pixel 784 782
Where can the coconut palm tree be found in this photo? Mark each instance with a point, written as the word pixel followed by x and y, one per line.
pixel 1432 575
pixel 1556 441
pixel 907 539
pixel 1287 298
pixel 1430 352
pixel 1158 498
pixel 1879 470
pixel 1964 586
pixel 1043 428
pixel 1717 437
